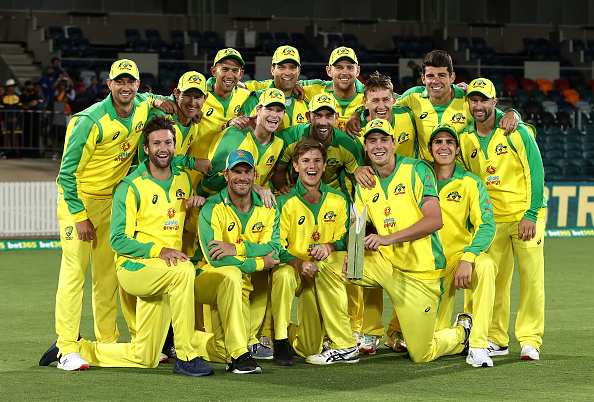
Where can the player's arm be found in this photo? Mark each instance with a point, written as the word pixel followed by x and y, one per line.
pixel 312 87
pixel 279 177
pixel 482 220
pixel 227 142
pixel 254 85
pixel 269 241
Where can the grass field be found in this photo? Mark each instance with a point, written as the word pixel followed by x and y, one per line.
pixel 28 281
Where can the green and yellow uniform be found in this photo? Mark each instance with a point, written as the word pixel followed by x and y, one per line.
pixel 231 140
pixel 410 272
pixel 225 284
pixel 303 226
pixel 405 130
pixel 511 168
pixel 148 215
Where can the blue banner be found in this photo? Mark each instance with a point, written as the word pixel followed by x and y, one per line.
pixel 570 209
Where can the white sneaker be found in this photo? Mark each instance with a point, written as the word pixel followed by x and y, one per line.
pixel 529 353
pixel 72 362
pixel 496 350
pixel 164 358
pixel 479 357
pixel 261 352
pixel 358 337
pixel 369 344
pixel 331 356
pixel 395 341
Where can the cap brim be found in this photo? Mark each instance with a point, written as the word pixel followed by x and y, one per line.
pixel 484 93
pixel 376 130
pixel 345 57
pixel 238 162
pixel 289 59
pixel 126 73
pixel 232 56
pixel 275 103
pixel 324 107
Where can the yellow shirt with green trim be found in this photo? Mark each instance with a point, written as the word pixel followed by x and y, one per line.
pixel 254 234
pixel 303 225
pixel 231 140
pixel 510 166
pixel 217 112
pixel 405 130
pixel 294 112
pixel 346 107
pixel 468 220
pixel 427 115
pixel 344 154
pixel 99 149
pixel 393 204
pixel 254 85
pixel 148 214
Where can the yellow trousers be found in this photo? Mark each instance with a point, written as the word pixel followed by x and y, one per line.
pixel 76 255
pixel 260 307
pixel 530 319
pixel 164 294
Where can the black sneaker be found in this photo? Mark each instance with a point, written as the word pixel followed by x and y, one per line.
pixel 244 364
pixel 193 368
pixel 50 356
pixel 283 353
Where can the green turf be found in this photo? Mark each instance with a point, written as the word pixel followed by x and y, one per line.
pixel 28 281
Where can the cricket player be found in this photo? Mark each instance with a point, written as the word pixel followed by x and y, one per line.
pixel 99 147
pixel 438 101
pixel 149 208
pixel 313 225
pixel 239 237
pixel 405 257
pixel 511 167
pixel 285 70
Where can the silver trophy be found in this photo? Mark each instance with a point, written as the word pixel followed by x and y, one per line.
pixel 356 250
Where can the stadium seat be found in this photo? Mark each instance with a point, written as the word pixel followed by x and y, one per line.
pixel 140 46
pixel 74 33
pixel 555 96
pixel 563 119
pixel 282 38
pixel 529 44
pixel 131 35
pixel 553 156
pixel 510 86
pixel 574 132
pixel 350 40
pixel 528 84
pixel 538 95
pixel 562 84
pixel 572 173
pixel 571 96
pixel 550 106
pixel 463 42
pixel 194 36
pixel 551 169
pixel 544 84
pixel 578 45
pixel 178 39
pixel 522 97
pixel 572 146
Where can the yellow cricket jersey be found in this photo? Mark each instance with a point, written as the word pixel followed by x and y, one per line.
pixel 294 112
pixel 303 226
pixel 346 106
pixel 511 167
pixel 405 130
pixel 254 234
pixel 427 115
pixel 393 204
pixel 217 112
pixel 148 214
pixel 259 85
pixel 344 154
pixel 99 148
pixel 468 220
pixel 231 140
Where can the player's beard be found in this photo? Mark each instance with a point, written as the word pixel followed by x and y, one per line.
pixel 161 164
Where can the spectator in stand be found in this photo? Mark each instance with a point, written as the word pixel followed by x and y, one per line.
pixel 32 102
pixel 48 84
pixel 65 85
pixel 95 88
pixel 83 98
pixel 61 117
pixel 55 64
pixel 103 94
pixel 12 115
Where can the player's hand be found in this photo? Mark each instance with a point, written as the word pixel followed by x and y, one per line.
pixel 509 122
pixel 463 276
pixel 241 85
pixel 353 125
pixel 308 268
pixel 365 177
pixel 321 251
pixel 171 255
pixel 373 241
pixel 526 229
pixel 165 105
pixel 203 165
pixel 265 195
pixel 270 261
pixel 463 86
pixel 345 269
pixel 284 189
pixel 241 122
pixel 299 92
pixel 196 119
pixel 195 201
pixel 221 249
pixel 85 230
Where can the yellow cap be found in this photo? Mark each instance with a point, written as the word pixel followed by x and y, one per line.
pixel 124 66
pixel 380 125
pixel 322 100
pixel 483 86
pixel 283 53
pixel 443 127
pixel 271 96
pixel 228 53
pixel 192 79
pixel 341 52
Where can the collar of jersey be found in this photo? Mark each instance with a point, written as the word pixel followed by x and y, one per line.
pixel 227 200
pixel 302 190
pixel 111 110
pixel 458 93
pixel 143 168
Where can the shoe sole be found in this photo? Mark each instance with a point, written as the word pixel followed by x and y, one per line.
pixel 529 358
pixel 369 352
pixel 83 367
pixel 177 370
pixel 328 363
pixel 256 371
pixel 484 364
pixel 499 353
pixel 284 363
pixel 263 358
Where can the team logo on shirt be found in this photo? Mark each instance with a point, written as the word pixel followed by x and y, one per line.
pixel 490 169
pixel 236 110
pixel 125 154
pixel 454 196
pixel 180 194
pixel 423 115
pixel 329 216
pixel 501 149
pixel 402 138
pixel 400 189
pixel 116 136
pixel 301 220
pixel 388 222
pixel 257 228
pixel 428 182
pixel 155 198
pixel 68 232
pixel 270 161
pixel 375 197
pixel 387 211
pixel 190 139
pixel 139 126
pixel 333 162
pixel 473 153
pixel 125 146
pixel 230 227
pixel 300 118
pixel 171 224
pixel 171 212
pixel 315 236
pixel 458 118
pixel 209 112
pixel 492 180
